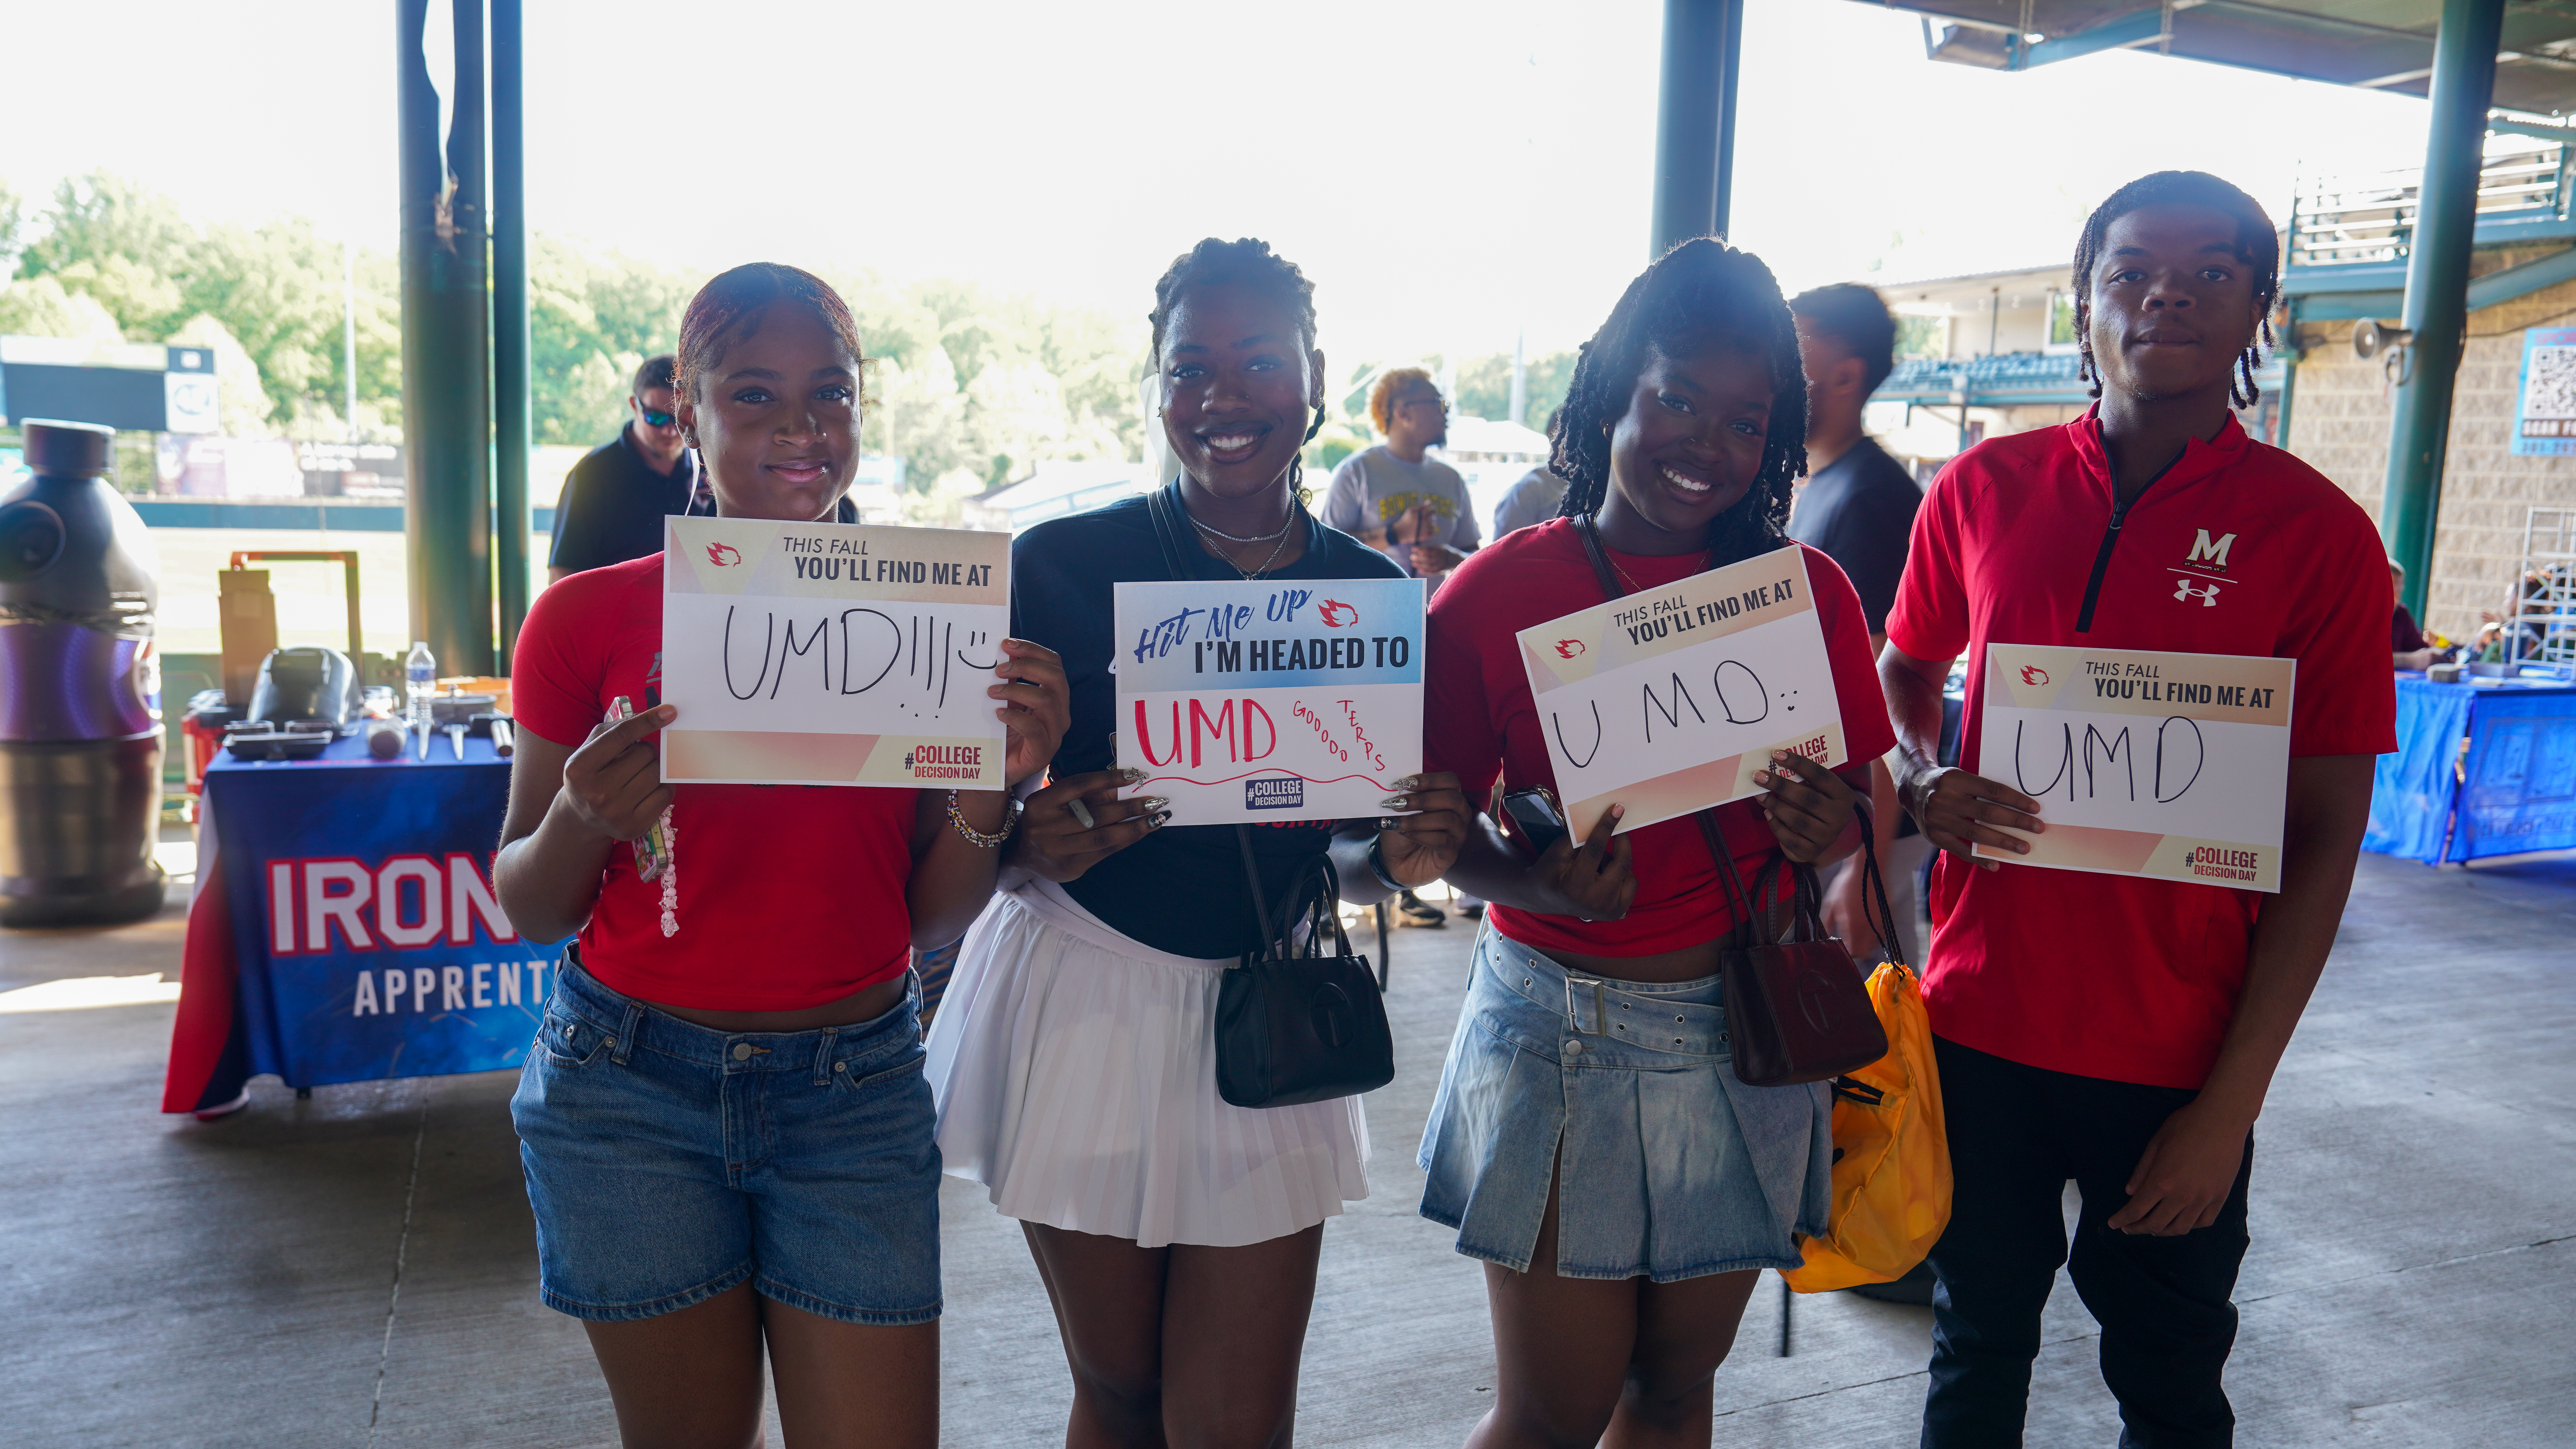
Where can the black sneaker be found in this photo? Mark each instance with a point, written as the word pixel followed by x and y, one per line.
pixel 1413 910
pixel 1472 908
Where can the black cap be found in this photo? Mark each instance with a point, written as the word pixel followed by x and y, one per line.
pixel 56 449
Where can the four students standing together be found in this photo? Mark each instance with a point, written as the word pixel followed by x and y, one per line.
pixel 733 1131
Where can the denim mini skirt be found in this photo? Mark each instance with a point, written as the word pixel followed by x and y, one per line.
pixel 668 1162
pixel 1667 1166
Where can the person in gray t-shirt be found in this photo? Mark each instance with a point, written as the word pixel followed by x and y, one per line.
pixel 1395 496
pixel 1535 498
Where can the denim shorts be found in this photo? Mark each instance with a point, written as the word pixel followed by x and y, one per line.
pixel 1667 1167
pixel 668 1163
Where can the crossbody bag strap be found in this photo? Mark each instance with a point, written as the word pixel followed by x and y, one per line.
pixel 1172 533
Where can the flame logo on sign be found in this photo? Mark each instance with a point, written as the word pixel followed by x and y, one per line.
pixel 2032 674
pixel 723 555
pixel 1568 648
pixel 1337 615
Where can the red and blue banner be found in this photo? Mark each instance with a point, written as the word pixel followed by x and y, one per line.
pixel 345 927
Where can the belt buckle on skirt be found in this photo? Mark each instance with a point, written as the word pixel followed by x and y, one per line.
pixel 1600 1008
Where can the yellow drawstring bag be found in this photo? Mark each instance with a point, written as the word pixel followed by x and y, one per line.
pixel 1891 1178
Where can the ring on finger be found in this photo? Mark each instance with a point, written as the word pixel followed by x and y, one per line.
pixel 1081 812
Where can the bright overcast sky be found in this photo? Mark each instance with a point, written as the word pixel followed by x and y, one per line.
pixel 1446 172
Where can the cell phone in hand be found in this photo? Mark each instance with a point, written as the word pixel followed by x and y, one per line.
pixel 1534 811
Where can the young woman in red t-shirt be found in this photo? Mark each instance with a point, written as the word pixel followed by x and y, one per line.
pixel 727 1136
pixel 1622 1186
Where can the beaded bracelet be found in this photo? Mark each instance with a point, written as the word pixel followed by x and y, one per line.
pixel 977 838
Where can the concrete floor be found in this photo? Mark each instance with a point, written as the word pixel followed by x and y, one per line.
pixel 357 1268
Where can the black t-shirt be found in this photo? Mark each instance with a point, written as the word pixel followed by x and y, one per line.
pixel 613 504
pixel 1860 512
pixel 1180 889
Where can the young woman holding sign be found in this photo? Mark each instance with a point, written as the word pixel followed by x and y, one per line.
pixel 726 1131
pixel 1624 1192
pixel 1074 1054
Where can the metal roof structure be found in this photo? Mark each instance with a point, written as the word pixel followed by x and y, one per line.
pixel 2373 44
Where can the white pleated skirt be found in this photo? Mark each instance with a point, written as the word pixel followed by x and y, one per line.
pixel 1075 1074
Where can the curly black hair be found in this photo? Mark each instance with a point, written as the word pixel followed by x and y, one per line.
pixel 1250 262
pixel 2257 246
pixel 1702 291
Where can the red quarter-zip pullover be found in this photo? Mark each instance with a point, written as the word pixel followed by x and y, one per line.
pixel 2238 548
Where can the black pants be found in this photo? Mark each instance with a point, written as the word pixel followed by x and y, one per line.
pixel 2017 1134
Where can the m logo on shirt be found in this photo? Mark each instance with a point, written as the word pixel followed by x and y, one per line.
pixel 2212 555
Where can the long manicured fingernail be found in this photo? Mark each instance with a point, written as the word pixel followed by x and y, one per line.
pixel 1154 803
pixel 1409 782
pixel 1157 822
pixel 1394 802
pixel 1386 822
pixel 1131 775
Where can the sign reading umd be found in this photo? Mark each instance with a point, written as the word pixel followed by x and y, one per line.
pixel 2174 766
pixel 832 654
pixel 1667 701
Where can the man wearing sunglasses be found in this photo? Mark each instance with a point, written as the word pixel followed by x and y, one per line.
pixel 615 498
pixel 1413 506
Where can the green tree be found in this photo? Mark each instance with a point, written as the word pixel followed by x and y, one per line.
pixel 1485 386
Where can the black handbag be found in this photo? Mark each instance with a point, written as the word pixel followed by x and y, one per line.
pixel 1796 1007
pixel 1293 1024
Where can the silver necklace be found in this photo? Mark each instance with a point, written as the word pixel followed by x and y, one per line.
pixel 1289 518
pixel 1276 549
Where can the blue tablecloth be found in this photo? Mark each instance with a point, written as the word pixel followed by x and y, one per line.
pixel 2480 770
pixel 344 926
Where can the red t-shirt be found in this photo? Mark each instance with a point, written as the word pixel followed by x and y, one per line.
pixel 1478 719
pixel 788 896
pixel 2239 548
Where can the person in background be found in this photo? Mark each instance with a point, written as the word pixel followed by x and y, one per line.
pixel 1857 506
pixel 1398 499
pixel 1536 497
pixel 2123 1030
pixel 614 500
pixel 2407 646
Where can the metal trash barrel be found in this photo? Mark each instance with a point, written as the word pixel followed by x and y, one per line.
pixel 80 690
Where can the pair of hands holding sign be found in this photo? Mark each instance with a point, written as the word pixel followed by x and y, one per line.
pixel 1808 808
pixel 1077 821
pixel 613 782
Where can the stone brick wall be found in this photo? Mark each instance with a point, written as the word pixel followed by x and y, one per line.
pixel 2340 412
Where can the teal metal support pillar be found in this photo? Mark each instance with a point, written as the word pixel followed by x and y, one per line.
pixel 509 320
pixel 447 414
pixel 1695 120
pixel 2437 284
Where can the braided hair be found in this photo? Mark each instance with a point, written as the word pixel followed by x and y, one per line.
pixel 1245 261
pixel 2257 246
pixel 1701 292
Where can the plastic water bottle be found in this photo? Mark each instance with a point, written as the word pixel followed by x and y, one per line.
pixel 420 682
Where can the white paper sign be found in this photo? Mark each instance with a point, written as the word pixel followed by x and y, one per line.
pixel 1668 701
pixel 1272 700
pixel 832 654
pixel 2172 766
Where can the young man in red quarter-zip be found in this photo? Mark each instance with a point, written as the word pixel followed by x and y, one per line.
pixel 2118 1030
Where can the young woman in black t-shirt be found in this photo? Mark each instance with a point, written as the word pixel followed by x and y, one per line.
pixel 1074 1059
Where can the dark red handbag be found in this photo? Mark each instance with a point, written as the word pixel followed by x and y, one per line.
pixel 1796 1007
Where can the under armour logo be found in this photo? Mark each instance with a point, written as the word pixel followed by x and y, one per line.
pixel 2207 593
